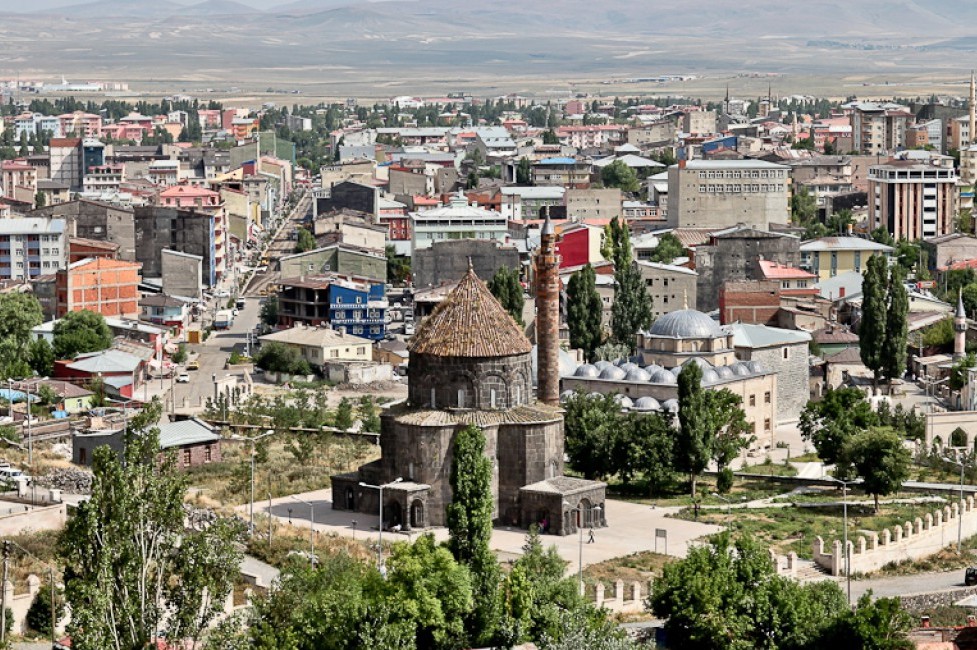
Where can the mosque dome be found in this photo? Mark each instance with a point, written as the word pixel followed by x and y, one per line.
pixel 686 324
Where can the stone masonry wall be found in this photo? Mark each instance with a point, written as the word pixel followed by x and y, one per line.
pixel 510 378
pixel 793 386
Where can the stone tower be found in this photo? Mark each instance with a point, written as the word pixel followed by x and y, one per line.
pixel 959 329
pixel 548 316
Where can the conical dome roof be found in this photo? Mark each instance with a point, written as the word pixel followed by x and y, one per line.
pixel 469 322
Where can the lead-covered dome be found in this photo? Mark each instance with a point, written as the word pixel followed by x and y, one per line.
pixel 686 324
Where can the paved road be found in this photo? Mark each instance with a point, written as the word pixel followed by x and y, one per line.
pixel 919 583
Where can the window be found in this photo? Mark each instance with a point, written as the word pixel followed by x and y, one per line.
pixel 186 457
pixel 752 400
pixel 766 424
pixel 361 350
pixel 766 397
pixel 786 352
pixel 207 454
pixel 333 354
pixel 55 251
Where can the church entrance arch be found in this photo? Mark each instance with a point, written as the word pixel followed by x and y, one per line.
pixel 350 499
pixel 393 514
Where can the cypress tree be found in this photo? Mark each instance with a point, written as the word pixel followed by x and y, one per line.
pixel 693 445
pixel 896 326
pixel 584 309
pixel 871 329
pixel 505 286
pixel 470 529
pixel 631 310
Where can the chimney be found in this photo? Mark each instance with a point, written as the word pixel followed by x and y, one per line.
pixel 841 292
pixel 548 316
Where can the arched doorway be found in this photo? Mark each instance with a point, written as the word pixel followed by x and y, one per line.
pixel 350 499
pixel 586 513
pixel 417 514
pixel 569 522
pixel 392 514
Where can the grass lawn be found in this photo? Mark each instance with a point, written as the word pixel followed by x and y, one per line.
pixel 228 482
pixel 770 469
pixel 743 490
pixel 795 528
pixel 287 539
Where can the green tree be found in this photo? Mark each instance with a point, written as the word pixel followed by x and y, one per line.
pixel 896 327
pixel 728 428
pixel 880 459
pixel 344 415
pixel 180 355
pixel 269 311
pixel 727 596
pixel 631 310
pixel 506 288
pixel 694 439
pixel 398 267
pixel 369 415
pixel 875 624
pixel 469 519
pixel 79 332
pixel 39 614
pixel 669 247
pixel 278 357
pixel 41 355
pixel 910 256
pixel 958 371
pixel 881 236
pixel 40 200
pixel 940 334
pixel 584 311
pixel 19 313
pixel 550 137
pixel 591 427
pixel 644 447
pixel 803 206
pixel 131 566
pixel 524 171
pixel 871 327
pixel 829 423
pixel 619 175
pixel 305 242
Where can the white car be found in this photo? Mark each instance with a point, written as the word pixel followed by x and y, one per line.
pixel 183 378
pixel 11 475
pixel 223 293
pixel 409 329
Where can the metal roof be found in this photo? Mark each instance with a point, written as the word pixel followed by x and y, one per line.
pixel 746 335
pixel 185 432
pixel 686 324
pixel 843 244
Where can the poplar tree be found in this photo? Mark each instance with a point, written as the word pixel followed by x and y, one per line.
pixel 694 439
pixel 584 310
pixel 631 310
pixel 871 329
pixel 896 327
pixel 470 529
pixel 506 288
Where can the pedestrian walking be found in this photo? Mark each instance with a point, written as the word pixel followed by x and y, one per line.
pixel 591 540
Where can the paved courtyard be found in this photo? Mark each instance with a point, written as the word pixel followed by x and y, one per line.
pixel 632 527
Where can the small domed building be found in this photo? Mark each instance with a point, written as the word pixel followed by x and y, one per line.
pixel 470 363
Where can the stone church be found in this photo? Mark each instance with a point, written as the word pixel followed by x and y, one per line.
pixel 470 363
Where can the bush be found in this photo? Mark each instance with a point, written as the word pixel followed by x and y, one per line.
pixel 181 354
pixel 278 357
pixel 724 480
pixel 39 614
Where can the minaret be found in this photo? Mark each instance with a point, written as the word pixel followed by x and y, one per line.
pixel 960 329
pixel 972 107
pixel 548 316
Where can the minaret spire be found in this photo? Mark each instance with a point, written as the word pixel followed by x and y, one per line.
pixel 548 316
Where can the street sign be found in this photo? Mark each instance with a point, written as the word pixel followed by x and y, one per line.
pixel 663 534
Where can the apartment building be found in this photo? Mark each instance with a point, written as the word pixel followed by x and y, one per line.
pixel 105 286
pixel 66 162
pixel 724 193
pixel 879 129
pixel 912 200
pixel 458 220
pixel 31 246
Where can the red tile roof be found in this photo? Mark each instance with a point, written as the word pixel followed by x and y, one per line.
pixel 774 271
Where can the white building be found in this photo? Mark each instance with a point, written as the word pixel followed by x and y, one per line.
pixel 31 246
pixel 458 220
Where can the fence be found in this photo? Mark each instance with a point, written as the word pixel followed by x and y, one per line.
pixel 911 540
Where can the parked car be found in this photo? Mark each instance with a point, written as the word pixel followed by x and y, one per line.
pixel 11 476
pixel 970 577
pixel 183 378
pixel 409 329
pixel 223 293
pixel 193 365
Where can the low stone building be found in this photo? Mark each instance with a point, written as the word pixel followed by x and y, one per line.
pixel 784 352
pixel 447 261
pixel 670 287
pixel 193 441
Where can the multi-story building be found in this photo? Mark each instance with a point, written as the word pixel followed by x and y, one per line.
pixel 160 228
pixel 357 304
pixel 912 200
pixel 18 180
pixel 31 246
pixel 831 256
pixel 879 129
pixel 594 204
pixel 458 220
pixel 66 162
pixel 81 124
pixel 670 287
pixel 823 176
pixel 108 287
pixel 520 203
pixel 208 203
pixel 104 178
pixel 563 171
pixel 723 193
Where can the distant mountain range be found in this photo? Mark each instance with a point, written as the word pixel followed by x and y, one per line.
pixel 391 43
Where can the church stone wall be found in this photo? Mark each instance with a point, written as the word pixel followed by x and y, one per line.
pixel 510 378
pixel 789 363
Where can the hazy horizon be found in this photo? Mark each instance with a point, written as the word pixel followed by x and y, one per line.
pixel 16 6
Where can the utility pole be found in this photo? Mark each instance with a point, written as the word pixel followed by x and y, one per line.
pixel 3 599
pixel 54 615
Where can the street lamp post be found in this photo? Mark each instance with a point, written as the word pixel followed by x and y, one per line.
pixel 960 507
pixel 251 503
pixel 844 492
pixel 579 512
pixel 380 538
pixel 311 525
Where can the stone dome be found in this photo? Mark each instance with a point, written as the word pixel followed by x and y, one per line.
pixel 740 369
pixel 628 366
pixel 587 371
pixel 567 394
pixel 653 368
pixel 686 324
pixel 755 367
pixel 623 401
pixel 676 371
pixel 600 365
pixel 595 395
pixel 612 372
pixel 670 405
pixel 647 404
pixel 637 374
pixel 699 361
pixel 568 366
pixel 724 372
pixel 663 377
pixel 709 376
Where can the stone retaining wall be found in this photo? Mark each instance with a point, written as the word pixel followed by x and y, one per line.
pixel 910 541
